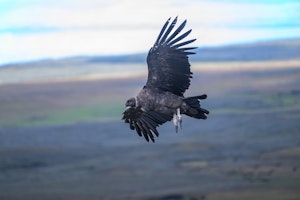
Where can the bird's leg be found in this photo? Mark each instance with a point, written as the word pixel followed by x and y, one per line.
pixel 179 117
pixel 175 121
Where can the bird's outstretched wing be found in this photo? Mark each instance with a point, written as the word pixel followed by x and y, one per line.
pixel 145 123
pixel 168 65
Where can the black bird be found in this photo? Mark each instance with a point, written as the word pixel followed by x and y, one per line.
pixel 169 74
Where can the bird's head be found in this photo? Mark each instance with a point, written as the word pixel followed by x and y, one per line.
pixel 131 102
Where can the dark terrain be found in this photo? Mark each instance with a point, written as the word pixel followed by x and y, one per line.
pixel 64 139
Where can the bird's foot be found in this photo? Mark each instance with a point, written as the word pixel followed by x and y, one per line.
pixel 177 119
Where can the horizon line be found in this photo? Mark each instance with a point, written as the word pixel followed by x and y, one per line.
pixel 229 44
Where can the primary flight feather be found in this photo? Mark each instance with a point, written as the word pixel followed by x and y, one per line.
pixel 169 74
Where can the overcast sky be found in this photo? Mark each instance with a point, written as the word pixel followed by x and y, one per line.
pixel 37 29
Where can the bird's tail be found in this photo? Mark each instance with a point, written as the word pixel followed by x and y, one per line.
pixel 195 109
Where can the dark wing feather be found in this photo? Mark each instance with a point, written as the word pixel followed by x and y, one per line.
pixel 168 65
pixel 145 123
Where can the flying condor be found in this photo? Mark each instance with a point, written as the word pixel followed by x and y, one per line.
pixel 169 76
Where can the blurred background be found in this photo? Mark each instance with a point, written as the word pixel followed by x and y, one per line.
pixel 66 69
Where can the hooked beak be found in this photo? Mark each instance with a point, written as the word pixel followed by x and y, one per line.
pixel 127 107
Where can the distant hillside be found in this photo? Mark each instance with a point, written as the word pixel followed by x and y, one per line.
pixel 259 51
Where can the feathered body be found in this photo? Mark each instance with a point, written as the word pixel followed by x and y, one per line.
pixel 162 99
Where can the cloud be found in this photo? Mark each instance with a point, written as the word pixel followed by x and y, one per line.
pixel 130 13
pixel 34 29
pixel 66 43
